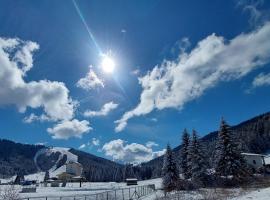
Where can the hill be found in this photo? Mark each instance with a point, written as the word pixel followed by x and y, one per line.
pixel 16 158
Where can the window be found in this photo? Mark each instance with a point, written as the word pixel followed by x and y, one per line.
pixel 254 162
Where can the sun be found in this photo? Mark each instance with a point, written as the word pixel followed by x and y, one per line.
pixel 108 64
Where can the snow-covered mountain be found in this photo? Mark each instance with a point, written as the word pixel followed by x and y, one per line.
pixel 51 158
pixel 34 160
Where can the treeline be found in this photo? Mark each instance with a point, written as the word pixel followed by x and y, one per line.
pixel 253 136
pixel 228 168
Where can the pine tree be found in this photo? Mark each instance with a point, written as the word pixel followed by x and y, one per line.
pixel 184 155
pixel 229 160
pixel 169 171
pixel 197 161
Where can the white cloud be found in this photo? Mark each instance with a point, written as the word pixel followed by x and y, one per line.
pixel 151 144
pixel 68 129
pixel 90 81
pixel 41 143
pixel 105 110
pixel 154 119
pixel 261 80
pixel 32 117
pixel 257 15
pixel 136 72
pixel 213 60
pixel 16 59
pixel 82 146
pixel 95 142
pixel 129 153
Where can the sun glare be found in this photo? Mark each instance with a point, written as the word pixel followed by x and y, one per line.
pixel 108 64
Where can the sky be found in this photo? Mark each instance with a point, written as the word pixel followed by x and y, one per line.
pixel 121 79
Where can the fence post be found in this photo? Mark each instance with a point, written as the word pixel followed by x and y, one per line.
pixel 123 194
pixel 115 194
pixel 107 195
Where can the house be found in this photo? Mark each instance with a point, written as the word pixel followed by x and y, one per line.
pixel 255 161
pixel 132 181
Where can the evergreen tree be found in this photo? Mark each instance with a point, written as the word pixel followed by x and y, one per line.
pixel 47 176
pixel 229 160
pixel 169 171
pixel 184 155
pixel 197 161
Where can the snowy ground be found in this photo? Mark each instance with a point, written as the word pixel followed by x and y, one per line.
pixel 73 189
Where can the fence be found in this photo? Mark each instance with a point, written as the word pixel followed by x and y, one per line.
pixel 118 194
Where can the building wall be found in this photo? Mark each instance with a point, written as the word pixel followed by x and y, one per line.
pixel 254 161
pixel 74 168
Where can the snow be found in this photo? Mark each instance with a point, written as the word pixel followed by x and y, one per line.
pixel 73 189
pixel 267 160
pixel 261 194
pixel 54 171
pixel 62 151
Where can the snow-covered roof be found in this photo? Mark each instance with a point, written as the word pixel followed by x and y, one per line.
pixel 253 154
pixel 131 179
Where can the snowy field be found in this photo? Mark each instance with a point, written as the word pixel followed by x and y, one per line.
pixel 73 189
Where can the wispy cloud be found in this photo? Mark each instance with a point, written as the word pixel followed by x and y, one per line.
pixel 136 72
pixel 82 146
pixel 177 82
pixel 95 141
pixel 105 110
pixel 261 80
pixel 42 118
pixel 255 11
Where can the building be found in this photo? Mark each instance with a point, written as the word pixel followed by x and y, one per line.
pixel 132 181
pixel 72 172
pixel 74 168
pixel 255 161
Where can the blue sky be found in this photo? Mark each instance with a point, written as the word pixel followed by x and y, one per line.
pixel 178 64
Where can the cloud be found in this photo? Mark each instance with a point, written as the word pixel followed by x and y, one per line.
pixel 68 129
pixel 90 81
pixel 32 117
pixel 261 80
pixel 136 72
pixel 151 144
pixel 177 82
pixel 95 142
pixel 129 153
pixel 154 119
pixel 105 110
pixel 82 146
pixel 255 11
pixel 16 59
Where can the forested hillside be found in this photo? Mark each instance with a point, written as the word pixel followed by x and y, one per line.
pixel 253 136
pixel 17 158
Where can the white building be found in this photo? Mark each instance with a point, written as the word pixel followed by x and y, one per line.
pixel 254 160
pixel 74 168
